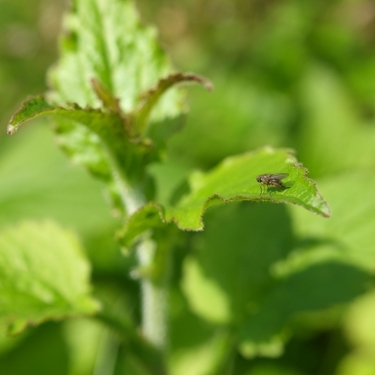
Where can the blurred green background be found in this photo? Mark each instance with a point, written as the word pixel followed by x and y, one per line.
pixel 297 74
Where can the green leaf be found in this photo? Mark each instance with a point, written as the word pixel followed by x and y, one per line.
pixel 151 97
pixel 234 180
pixel 39 350
pixel 318 287
pixel 93 137
pixel 107 125
pixel 350 231
pixel 359 327
pixel 332 119
pixel 232 280
pixel 109 79
pixel 105 40
pixel 49 187
pixel 196 346
pixel 43 274
pixel 230 268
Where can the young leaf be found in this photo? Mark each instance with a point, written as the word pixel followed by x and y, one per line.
pixel 43 274
pixel 107 125
pixel 102 81
pixel 151 97
pixel 105 41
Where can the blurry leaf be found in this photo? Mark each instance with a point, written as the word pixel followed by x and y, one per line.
pixel 231 271
pixel 236 117
pixel 196 346
pixel 350 230
pixel 233 180
pixel 360 328
pixel 273 369
pixel 41 351
pixel 318 287
pixel 43 274
pixel 230 281
pixel 36 182
pixel 332 118
pixel 204 293
pixel 281 45
pixel 358 364
pixel 360 323
pixel 169 177
pixel 83 347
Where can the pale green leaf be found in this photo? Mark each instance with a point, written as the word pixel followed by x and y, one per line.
pixel 196 346
pixel 359 327
pixel 105 40
pixel 43 275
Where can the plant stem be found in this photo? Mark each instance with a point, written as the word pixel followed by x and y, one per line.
pixel 154 297
pixel 154 292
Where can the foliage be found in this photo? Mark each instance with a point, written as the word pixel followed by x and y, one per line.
pixel 256 287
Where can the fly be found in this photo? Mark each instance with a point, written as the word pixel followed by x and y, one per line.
pixel 273 180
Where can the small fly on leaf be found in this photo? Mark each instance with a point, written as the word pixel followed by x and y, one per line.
pixel 272 179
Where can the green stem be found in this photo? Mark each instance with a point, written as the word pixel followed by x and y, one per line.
pixel 154 297
pixel 154 293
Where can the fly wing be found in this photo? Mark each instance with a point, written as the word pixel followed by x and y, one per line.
pixel 279 176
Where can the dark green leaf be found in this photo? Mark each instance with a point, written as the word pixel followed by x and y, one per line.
pixel 318 287
pixel 231 268
pixel 234 276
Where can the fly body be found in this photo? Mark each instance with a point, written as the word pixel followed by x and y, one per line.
pixel 272 179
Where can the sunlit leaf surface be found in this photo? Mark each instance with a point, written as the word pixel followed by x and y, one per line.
pixel 234 180
pixel 44 275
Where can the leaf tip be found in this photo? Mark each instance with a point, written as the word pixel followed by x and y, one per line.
pixel 326 212
pixel 205 82
pixel 11 129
